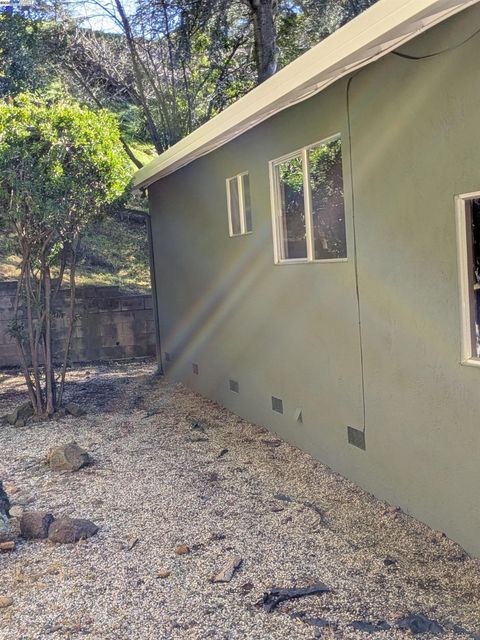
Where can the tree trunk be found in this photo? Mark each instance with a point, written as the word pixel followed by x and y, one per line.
pixel 149 120
pixel 33 341
pixel 49 373
pixel 71 317
pixel 265 37
pixel 19 336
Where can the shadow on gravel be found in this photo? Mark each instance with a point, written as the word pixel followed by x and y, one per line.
pixel 96 390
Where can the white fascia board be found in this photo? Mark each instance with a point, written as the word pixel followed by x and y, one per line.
pixel 380 29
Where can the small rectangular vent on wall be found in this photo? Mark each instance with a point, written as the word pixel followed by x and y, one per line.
pixel 277 404
pixel 234 386
pixel 195 368
pixel 168 357
pixel 356 437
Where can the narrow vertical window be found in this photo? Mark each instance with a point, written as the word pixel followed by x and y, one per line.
pixel 328 210
pixel 308 204
pixel 234 206
pixel 468 240
pixel 239 205
pixel 289 176
pixel 247 206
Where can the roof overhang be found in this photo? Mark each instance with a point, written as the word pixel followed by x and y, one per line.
pixel 383 27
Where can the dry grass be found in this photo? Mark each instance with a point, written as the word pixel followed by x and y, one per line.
pixel 9 267
pixel 113 253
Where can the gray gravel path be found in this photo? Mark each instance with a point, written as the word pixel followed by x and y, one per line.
pixel 156 479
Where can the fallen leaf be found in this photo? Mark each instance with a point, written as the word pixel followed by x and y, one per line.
pixel 163 573
pixel 182 549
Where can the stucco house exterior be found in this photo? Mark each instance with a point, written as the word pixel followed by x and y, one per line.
pixel 317 250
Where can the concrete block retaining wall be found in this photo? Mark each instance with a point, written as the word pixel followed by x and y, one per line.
pixel 110 325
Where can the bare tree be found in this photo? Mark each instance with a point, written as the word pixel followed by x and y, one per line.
pixel 171 65
pixel 178 62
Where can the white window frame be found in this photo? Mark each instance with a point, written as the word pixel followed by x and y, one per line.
pixel 465 278
pixel 275 198
pixel 241 205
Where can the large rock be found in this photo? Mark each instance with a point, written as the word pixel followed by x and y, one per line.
pixel 74 409
pixel 5 530
pixel 70 530
pixel 20 415
pixel 4 515
pixel 418 623
pixel 34 525
pixel 4 503
pixel 16 511
pixel 69 457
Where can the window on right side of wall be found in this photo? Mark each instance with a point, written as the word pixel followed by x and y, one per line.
pixel 308 204
pixel 468 241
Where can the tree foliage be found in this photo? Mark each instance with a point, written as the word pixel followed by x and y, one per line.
pixel 61 165
pixel 164 66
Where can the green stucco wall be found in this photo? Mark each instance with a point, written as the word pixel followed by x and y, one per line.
pixel 291 331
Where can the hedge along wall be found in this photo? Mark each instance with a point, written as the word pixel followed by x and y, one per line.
pixel 110 325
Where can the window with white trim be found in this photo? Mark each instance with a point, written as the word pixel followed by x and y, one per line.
pixel 468 240
pixel 308 204
pixel 239 205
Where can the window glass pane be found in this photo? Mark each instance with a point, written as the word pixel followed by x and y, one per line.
pixel 475 235
pixel 292 203
pixel 247 203
pixel 328 211
pixel 234 206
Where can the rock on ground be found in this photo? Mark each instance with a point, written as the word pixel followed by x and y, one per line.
pixel 228 570
pixel 34 525
pixel 69 457
pixel 74 409
pixel 19 416
pixel 4 502
pixel 70 530
pixel 5 529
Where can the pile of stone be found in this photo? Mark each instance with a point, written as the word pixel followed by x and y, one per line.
pixel 42 525
pixel 21 414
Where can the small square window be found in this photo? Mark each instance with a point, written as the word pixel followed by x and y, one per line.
pixel 239 205
pixel 308 204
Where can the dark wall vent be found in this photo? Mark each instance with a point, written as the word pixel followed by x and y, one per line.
pixel 356 437
pixel 277 404
pixel 168 357
pixel 234 386
pixel 195 368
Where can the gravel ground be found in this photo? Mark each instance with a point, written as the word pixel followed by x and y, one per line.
pixel 158 480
